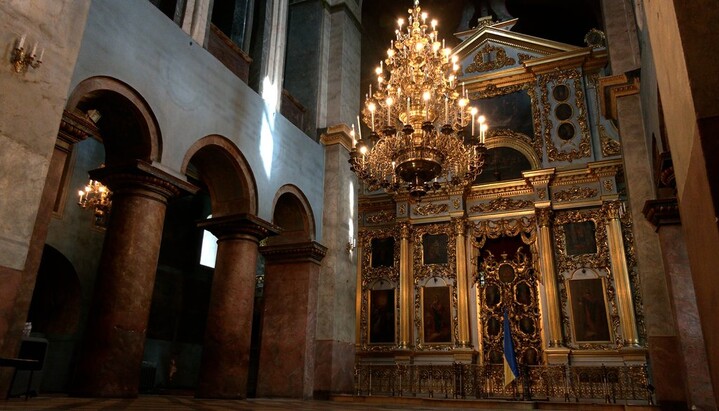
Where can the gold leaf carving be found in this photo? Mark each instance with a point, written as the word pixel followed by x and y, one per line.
pixel 430 209
pixel 575 193
pixel 610 147
pixel 490 58
pixel 571 150
pixel 381 217
pixel 501 204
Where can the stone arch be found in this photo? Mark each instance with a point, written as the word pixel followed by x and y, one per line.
pixel 57 298
pixel 293 213
pixel 220 165
pixel 128 127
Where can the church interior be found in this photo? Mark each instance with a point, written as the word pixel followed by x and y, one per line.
pixel 478 200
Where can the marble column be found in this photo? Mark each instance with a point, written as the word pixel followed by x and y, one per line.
pixel 462 284
pixel 27 145
pixel 274 44
pixel 335 347
pixel 196 19
pixel 287 351
pixel 405 288
pixel 74 128
pixel 226 349
pixel 113 344
pixel 693 376
pixel 618 260
pixel 549 278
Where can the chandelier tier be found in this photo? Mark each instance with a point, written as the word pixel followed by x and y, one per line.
pixel 97 197
pixel 417 115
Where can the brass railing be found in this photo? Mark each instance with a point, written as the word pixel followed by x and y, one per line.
pixel 627 383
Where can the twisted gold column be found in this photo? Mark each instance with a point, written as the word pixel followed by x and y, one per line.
pixel 618 261
pixel 405 288
pixel 549 276
pixel 462 291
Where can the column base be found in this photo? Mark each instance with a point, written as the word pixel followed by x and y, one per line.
pixel 557 355
pixel 464 355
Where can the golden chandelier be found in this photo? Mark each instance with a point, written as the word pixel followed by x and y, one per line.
pixel 417 116
pixel 97 197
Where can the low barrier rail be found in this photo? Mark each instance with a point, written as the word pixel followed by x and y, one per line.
pixel 609 384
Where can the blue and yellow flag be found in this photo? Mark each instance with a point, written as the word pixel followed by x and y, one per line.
pixel 511 371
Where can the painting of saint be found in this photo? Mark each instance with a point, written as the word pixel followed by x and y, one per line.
pixel 381 321
pixel 589 311
pixel 434 249
pixel 382 252
pixel 436 315
pixel 580 238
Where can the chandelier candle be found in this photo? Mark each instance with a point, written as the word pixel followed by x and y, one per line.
pixel 418 151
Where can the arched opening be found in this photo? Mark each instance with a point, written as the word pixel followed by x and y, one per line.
pixel 293 214
pixel 183 284
pixel 55 312
pixel 128 127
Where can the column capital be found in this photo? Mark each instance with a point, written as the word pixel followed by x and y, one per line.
pixel 74 127
pixel 141 175
pixel 544 216
pixel 310 251
pixel 243 225
pixel 337 134
pixel 612 209
pixel 460 225
pixel 404 230
pixel 663 211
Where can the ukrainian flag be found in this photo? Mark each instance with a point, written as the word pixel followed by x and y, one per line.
pixel 511 371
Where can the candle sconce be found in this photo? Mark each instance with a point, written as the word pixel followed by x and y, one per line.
pixel 22 60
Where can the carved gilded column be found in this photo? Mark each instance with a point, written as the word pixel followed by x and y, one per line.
pixel 405 288
pixel 549 276
pixel 462 291
pixel 618 261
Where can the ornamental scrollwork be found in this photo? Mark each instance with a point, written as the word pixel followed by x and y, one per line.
pixel 501 204
pixel 430 209
pixel 422 270
pixel 381 217
pixel 483 60
pixel 525 226
pixel 511 285
pixel 610 147
pixel 583 149
pixel 372 274
pixel 575 193
pixel 568 263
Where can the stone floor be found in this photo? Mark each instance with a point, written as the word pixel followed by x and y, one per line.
pixel 157 403
pixel 166 402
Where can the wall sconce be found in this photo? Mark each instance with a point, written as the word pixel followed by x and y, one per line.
pixel 351 244
pixel 21 60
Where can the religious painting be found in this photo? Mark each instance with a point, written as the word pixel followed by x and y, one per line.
pixel 434 249
pixel 580 238
pixel 381 317
pixel 511 111
pixel 436 315
pixel 589 310
pixel 382 252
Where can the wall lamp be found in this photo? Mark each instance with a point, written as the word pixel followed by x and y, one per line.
pixel 22 60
